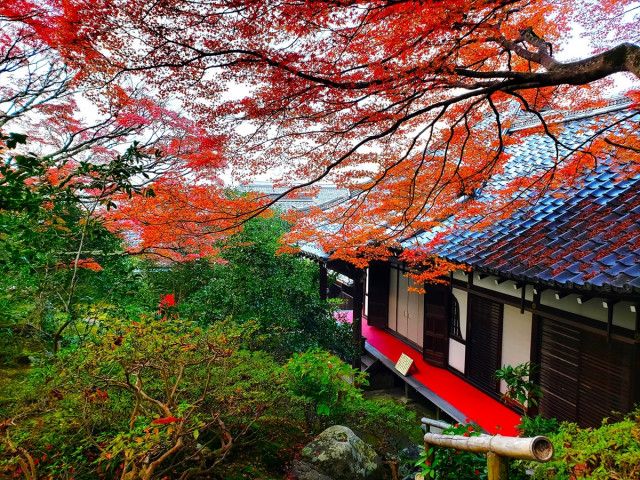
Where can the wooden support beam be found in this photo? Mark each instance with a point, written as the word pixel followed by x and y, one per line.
pixel 500 281
pixel 609 304
pixel 523 295
pixel 497 467
pixel 323 280
pixel 560 295
pixel 358 294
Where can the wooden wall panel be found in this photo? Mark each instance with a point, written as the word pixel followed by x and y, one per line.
pixel 484 341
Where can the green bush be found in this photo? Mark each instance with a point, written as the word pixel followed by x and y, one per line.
pixel 331 390
pixel 451 464
pixel 324 380
pixel 611 451
pixel 538 425
pixel 164 398
pixel 280 292
pixel 152 399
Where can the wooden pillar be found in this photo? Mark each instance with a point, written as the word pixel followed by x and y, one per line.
pixel 497 467
pixel 358 294
pixel 323 280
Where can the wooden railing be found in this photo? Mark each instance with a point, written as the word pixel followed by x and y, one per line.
pixel 499 449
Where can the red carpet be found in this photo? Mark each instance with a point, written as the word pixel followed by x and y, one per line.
pixel 480 408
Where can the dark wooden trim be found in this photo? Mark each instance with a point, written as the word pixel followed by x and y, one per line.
pixel 536 338
pixel 378 293
pixel 513 301
pixel 435 324
pixel 323 280
pixel 591 290
pixel 358 294
pixel 342 267
pixel 595 326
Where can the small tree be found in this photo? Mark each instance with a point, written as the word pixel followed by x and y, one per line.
pixel 152 399
pixel 520 387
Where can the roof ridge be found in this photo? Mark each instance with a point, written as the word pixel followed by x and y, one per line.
pixel 614 105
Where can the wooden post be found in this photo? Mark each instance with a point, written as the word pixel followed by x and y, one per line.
pixel 323 280
pixel 357 318
pixel 497 467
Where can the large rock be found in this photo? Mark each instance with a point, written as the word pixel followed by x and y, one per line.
pixel 305 471
pixel 340 454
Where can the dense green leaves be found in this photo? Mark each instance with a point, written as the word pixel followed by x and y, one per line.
pixel 254 282
pixel 609 451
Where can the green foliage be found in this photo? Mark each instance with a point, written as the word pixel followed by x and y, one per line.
pixel 159 398
pixel 59 266
pixel 41 290
pixel 520 387
pixel 324 380
pixel 330 388
pixel 451 464
pixel 154 397
pixel 254 282
pixel 607 452
pixel 538 425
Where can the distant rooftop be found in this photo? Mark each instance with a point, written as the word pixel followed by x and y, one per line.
pixel 317 196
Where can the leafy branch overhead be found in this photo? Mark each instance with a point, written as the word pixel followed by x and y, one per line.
pixel 412 105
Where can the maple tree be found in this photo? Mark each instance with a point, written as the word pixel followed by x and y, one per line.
pixel 407 103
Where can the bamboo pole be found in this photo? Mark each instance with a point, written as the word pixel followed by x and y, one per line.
pixel 435 423
pixel 536 448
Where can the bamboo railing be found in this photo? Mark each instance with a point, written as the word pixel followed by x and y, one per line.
pixel 499 449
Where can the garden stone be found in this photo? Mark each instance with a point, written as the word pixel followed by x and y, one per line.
pixel 304 471
pixel 340 454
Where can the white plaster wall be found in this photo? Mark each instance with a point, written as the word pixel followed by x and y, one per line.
pixel 516 338
pixel 461 296
pixel 593 309
pixel 456 355
pixel 506 287
pixel 457 350
pixel 460 275
pixel 366 296
pixel 406 309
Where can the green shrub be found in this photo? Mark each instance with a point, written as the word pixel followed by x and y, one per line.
pixel 331 389
pixel 153 399
pixel 324 380
pixel 520 387
pixel 611 451
pixel 451 464
pixel 538 425
pixel 253 282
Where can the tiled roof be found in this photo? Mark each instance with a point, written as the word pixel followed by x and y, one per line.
pixel 585 237
pixel 317 197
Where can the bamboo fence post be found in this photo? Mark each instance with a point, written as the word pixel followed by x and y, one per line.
pixel 497 467
pixel 498 449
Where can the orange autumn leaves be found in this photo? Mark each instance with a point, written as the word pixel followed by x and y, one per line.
pixel 369 95
pixel 181 220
